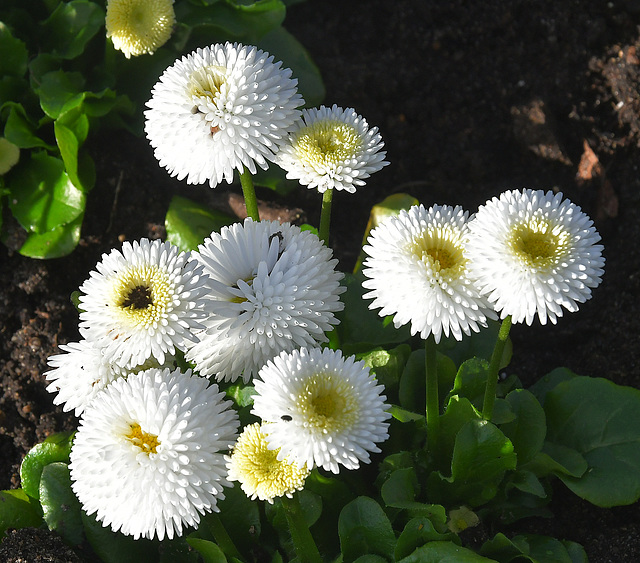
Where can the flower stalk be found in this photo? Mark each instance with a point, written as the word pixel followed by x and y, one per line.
pixel 494 366
pixel 249 193
pixel 221 536
pixel 325 216
pixel 432 400
pixel 303 541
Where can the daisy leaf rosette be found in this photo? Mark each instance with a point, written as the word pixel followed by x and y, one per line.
pixel 82 371
pixel 332 148
pixel 271 288
pixel 139 27
pixel 534 253
pixel 141 302
pixel 148 457
pixel 259 471
pixel 418 270
pixel 219 109
pixel 321 409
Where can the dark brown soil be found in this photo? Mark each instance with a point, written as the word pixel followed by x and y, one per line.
pixel 471 98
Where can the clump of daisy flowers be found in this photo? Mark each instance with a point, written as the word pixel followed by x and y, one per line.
pixel 139 27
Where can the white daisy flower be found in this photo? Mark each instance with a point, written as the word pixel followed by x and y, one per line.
pixel 82 372
pixel 534 254
pixel 321 409
pixel 142 302
pixel 219 109
pixel 146 458
pixel 260 473
pixel 272 287
pixel 139 27
pixel 332 148
pixel 419 272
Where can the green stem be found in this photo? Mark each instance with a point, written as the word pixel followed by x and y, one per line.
pixel 306 548
pixel 249 193
pixel 325 216
pixel 494 366
pixel 221 536
pixel 432 400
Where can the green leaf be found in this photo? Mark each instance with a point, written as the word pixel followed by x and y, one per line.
pixel 444 552
pixel 61 508
pixel 285 47
pixel 70 27
pixel 15 56
pixel 56 447
pixel 360 328
pixel 418 532
pixel 231 21
pixel 18 510
pixel 54 243
pixel 240 517
pixel 558 459
pixel 42 195
pixel 364 528
pixel 549 382
pixel 527 432
pixel 21 131
pixel 481 456
pixel 387 365
pixel 115 547
pixel 60 91
pixel 401 486
pixel 534 548
pixel 471 380
pixel 188 223
pixel 210 552
pixel 600 420
pixel 9 157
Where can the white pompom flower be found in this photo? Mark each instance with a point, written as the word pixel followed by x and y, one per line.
pixel 142 302
pixel 419 272
pixel 321 409
pixel 219 109
pixel 149 455
pixel 332 148
pixel 259 471
pixel 272 288
pixel 82 371
pixel 534 253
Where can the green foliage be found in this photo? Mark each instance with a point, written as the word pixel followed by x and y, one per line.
pixel 60 83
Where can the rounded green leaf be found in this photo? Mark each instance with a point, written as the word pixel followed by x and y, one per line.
pixel 418 532
pixel 527 432
pixel 55 243
pixel 364 528
pixel 42 194
pixel 60 506
pixel 18 510
pixel 20 130
pixel 209 551
pixel 14 59
pixel 55 448
pixel 9 155
pixel 71 25
pixel 188 223
pixel 444 552
pixel 601 421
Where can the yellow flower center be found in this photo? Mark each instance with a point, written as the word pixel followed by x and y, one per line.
pixel 328 403
pixel 538 244
pixel 258 469
pixel 440 250
pixel 327 143
pixel 148 443
pixel 142 295
pixel 206 82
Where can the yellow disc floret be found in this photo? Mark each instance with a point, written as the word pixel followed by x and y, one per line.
pixel 539 245
pixel 325 144
pixel 327 403
pixel 148 443
pixel 139 27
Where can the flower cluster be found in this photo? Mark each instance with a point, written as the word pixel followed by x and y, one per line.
pixel 523 254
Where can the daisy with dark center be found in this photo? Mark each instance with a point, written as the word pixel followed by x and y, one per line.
pixel 321 409
pixel 272 288
pixel 138 27
pixel 142 302
pixel 149 455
